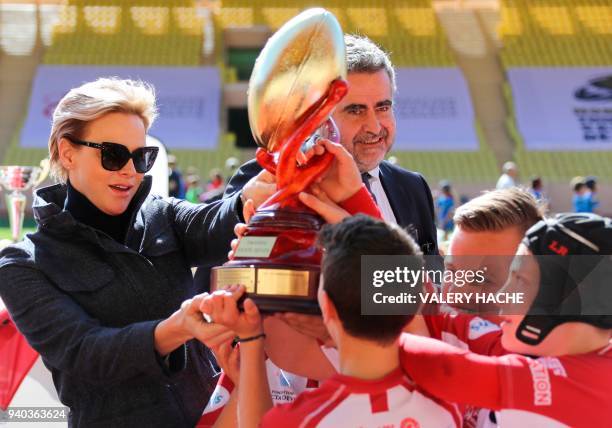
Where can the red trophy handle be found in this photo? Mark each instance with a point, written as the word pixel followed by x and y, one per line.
pixel 266 160
pixel 290 178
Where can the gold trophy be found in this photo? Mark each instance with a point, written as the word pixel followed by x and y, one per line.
pixel 16 180
pixel 298 78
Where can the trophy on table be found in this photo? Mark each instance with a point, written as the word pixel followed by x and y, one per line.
pixel 16 180
pixel 298 79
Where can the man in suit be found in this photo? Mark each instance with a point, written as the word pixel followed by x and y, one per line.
pixel 366 122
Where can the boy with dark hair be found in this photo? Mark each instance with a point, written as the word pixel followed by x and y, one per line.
pixel 370 389
pixel 344 245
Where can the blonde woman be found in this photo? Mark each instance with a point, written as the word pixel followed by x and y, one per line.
pixel 103 289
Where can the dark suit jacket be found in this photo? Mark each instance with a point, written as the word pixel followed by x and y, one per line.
pixel 407 191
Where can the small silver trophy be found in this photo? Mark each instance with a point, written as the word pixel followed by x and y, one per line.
pixel 16 180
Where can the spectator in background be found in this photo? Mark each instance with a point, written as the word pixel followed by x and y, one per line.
pixel 216 181
pixel 231 165
pixel 176 185
pixel 214 188
pixel 537 190
pixel 194 190
pixel 591 184
pixel 445 204
pixel 509 176
pixel 583 200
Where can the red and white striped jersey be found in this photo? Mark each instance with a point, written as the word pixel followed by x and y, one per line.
pixel 477 334
pixel 343 401
pixel 284 388
pixel 569 390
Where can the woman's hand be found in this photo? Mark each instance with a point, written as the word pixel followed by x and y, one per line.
pixel 192 321
pixel 322 205
pixel 188 323
pixel 222 308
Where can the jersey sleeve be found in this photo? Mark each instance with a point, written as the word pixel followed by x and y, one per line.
pixel 478 334
pixel 568 389
pixel 361 203
pixel 444 371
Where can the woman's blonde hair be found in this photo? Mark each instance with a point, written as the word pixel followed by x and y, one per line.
pixel 93 100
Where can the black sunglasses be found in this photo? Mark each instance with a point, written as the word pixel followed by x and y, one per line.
pixel 115 156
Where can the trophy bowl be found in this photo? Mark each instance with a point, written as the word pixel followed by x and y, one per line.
pixel 16 180
pixel 298 78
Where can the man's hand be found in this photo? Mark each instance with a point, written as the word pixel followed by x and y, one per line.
pixel 222 307
pixel 239 230
pixel 248 209
pixel 259 188
pixel 308 325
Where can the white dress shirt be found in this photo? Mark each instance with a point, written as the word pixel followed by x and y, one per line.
pixel 381 196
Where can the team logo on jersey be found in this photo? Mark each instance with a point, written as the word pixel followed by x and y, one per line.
pixel 284 382
pixel 219 398
pixel 409 423
pixel 480 327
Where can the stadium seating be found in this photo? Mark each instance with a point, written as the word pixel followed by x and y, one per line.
pixel 554 33
pixel 128 32
pixel 410 31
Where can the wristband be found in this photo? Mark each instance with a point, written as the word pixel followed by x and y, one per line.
pixel 249 339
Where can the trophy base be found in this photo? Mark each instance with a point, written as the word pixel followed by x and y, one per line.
pixel 271 305
pixel 273 288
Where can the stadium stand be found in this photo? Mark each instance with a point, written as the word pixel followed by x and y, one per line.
pixel 556 33
pixel 126 32
pixel 551 33
pixel 141 32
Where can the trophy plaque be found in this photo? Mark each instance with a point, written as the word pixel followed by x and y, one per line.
pixel 16 180
pixel 298 78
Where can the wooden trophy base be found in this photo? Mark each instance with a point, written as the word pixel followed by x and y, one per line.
pixel 278 262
